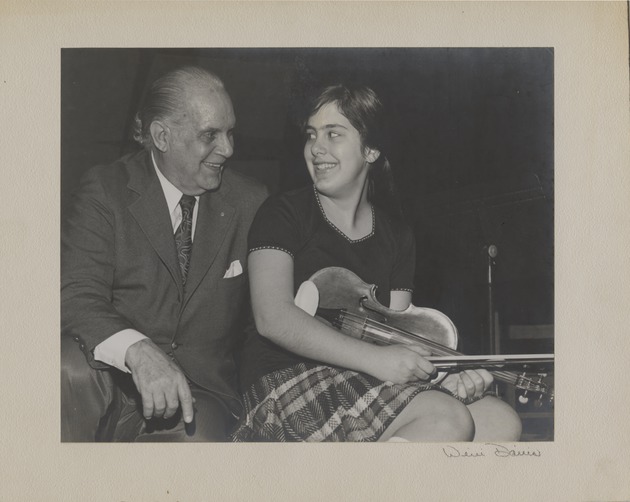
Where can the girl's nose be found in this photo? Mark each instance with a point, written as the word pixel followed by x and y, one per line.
pixel 318 147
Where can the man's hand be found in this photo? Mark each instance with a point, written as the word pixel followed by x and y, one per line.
pixel 468 383
pixel 159 380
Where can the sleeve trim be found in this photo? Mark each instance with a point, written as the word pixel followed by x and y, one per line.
pixel 402 289
pixel 272 247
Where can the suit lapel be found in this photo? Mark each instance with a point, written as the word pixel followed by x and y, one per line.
pixel 214 219
pixel 151 213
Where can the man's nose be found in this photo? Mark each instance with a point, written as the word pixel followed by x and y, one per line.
pixel 225 146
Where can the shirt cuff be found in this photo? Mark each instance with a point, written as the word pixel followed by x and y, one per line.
pixel 113 350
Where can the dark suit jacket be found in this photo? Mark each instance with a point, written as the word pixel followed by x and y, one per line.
pixel 119 269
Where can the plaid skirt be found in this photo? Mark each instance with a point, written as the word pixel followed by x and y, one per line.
pixel 309 402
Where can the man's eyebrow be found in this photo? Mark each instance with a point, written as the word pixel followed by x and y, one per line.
pixel 214 129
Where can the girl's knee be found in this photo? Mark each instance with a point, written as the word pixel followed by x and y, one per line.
pixel 495 420
pixel 459 420
pixel 512 426
pixel 448 415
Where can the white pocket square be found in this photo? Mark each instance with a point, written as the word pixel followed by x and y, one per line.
pixel 233 270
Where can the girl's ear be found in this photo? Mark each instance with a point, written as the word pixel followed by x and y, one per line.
pixel 372 155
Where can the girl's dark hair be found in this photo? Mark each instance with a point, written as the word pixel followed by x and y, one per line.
pixel 364 110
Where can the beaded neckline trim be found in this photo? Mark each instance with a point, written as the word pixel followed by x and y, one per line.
pixel 332 225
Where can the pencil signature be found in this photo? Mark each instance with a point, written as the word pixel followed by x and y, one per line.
pixel 489 449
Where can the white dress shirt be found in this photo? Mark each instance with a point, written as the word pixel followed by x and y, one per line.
pixel 112 351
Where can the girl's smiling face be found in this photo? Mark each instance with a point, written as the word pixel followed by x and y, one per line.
pixel 334 153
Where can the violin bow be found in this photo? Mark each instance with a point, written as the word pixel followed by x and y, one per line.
pixel 489 361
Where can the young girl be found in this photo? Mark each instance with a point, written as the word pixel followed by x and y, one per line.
pixel 305 381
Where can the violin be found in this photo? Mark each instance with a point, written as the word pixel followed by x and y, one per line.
pixel 341 298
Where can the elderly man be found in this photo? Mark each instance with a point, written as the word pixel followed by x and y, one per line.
pixel 152 278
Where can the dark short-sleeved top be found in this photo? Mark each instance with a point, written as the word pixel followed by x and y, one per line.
pixel 295 223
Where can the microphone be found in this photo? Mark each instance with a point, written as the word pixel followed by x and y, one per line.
pixel 492 250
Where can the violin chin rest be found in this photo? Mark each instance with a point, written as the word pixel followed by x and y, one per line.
pixel 307 297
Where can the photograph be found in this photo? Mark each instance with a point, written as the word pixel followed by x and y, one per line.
pixel 354 250
pixel 449 217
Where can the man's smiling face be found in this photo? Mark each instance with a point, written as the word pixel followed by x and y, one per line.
pixel 200 140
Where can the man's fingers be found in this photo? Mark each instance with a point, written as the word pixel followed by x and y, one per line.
pixel 186 400
pixel 172 403
pixel 147 405
pixel 159 405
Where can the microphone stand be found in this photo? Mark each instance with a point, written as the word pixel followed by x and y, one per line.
pixel 494 339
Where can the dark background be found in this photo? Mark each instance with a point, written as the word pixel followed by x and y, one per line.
pixel 472 137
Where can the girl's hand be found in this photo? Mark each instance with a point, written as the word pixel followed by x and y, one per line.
pixel 403 363
pixel 468 383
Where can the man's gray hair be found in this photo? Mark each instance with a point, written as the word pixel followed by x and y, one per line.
pixel 164 98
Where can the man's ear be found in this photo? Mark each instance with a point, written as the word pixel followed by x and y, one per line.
pixel 372 155
pixel 160 134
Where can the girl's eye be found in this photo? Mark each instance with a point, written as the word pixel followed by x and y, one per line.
pixel 334 134
pixel 310 136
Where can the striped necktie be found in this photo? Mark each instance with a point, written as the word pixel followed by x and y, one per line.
pixel 183 234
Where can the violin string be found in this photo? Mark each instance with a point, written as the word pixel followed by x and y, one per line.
pixel 380 332
pixel 380 327
pixel 363 321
